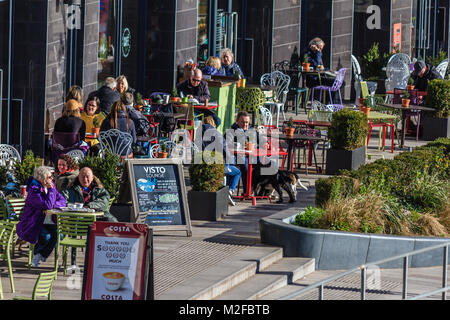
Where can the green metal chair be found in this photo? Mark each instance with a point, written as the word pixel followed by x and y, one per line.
pixel 7 230
pixel 72 232
pixel 42 288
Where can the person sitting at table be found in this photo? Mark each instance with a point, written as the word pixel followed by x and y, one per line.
pixel 196 88
pixel 35 226
pixel 122 85
pixel 66 171
pixel 70 121
pixel 118 119
pixel 76 93
pixel 209 135
pixel 229 66
pixel 141 124
pixel 314 52
pixel 91 112
pixel 107 94
pixel 89 190
pixel 212 67
pixel 424 72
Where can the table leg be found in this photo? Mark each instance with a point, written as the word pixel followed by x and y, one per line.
pixel 289 152
pixel 402 142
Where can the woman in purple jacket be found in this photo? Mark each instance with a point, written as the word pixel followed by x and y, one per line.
pixel 35 225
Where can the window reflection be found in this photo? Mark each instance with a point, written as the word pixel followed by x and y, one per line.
pixel 106 40
pixel 202 37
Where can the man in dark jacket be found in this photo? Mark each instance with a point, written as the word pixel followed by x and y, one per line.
pixel 141 124
pixel 196 88
pixel 107 94
pixel 423 72
pixel 88 189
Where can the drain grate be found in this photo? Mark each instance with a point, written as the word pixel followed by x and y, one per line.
pixel 188 260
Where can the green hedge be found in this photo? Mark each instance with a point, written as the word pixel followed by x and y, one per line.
pixel 438 97
pixel 393 178
pixel 348 130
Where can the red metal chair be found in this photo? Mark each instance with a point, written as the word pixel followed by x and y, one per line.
pixel 383 125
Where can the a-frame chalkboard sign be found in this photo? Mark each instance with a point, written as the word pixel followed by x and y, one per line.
pixel 159 195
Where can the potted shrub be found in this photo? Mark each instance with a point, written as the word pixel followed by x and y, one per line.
pixel 208 199
pixel 405 99
pixel 366 105
pixel 305 63
pixel 23 170
pixel 174 96
pixel 162 151
pixel 289 130
pixel 437 124
pixel 347 135
pixel 96 126
pixel 410 85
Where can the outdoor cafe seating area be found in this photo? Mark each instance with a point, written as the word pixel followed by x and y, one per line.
pixel 293 118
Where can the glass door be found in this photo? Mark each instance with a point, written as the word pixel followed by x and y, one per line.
pixel 5 63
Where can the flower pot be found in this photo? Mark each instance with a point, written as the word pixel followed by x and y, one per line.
pixel 289 131
pixel 405 103
pixel 138 107
pixel 96 131
pixel 344 159
pixel 249 146
pixel 208 206
pixel 305 67
pixel 366 110
pixel 360 103
pixel 174 99
pixel 162 154
pixel 410 87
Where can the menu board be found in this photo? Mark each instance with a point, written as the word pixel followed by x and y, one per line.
pixel 159 193
pixel 118 260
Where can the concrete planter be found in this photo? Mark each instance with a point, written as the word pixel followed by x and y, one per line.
pixel 335 250
pixel 344 159
pixel 209 206
pixel 434 128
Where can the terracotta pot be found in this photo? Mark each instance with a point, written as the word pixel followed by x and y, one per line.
pixel 96 131
pixel 360 103
pixel 409 87
pixel 306 66
pixel 289 131
pixel 249 146
pixel 162 154
pixel 366 110
pixel 405 103
pixel 138 107
pixel 175 99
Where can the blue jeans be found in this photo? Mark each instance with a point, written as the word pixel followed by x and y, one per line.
pixel 47 240
pixel 233 175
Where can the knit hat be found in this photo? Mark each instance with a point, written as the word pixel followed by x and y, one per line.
pixel 418 66
pixel 72 105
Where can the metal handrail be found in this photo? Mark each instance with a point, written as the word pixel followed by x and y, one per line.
pixel 320 284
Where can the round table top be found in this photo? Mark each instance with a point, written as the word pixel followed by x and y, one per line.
pixel 57 211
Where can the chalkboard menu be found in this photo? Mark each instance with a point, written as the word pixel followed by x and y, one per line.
pixel 159 193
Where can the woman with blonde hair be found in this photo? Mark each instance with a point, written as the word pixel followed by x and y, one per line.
pixel 122 85
pixel 118 119
pixel 212 67
pixel 70 120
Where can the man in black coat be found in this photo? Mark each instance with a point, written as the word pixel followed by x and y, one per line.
pixel 422 73
pixel 107 94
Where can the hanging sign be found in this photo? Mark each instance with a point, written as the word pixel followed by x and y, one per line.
pixel 397 38
pixel 126 42
pixel 118 264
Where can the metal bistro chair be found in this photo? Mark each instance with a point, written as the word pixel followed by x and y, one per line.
pixel 371 85
pixel 442 67
pixel 7 230
pixel 76 154
pixel 42 288
pixel 8 155
pixel 266 117
pixel 397 99
pixel 337 84
pixel 281 81
pixel 115 142
pixel 397 72
pixel 72 232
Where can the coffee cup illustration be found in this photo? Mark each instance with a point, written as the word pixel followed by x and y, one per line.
pixel 113 280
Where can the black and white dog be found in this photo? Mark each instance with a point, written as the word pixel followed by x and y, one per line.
pixel 286 180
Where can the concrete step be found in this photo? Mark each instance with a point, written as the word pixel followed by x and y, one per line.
pixel 274 277
pixel 227 274
pixel 300 283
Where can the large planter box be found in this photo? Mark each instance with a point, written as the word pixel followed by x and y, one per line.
pixel 208 206
pixel 434 128
pixel 344 159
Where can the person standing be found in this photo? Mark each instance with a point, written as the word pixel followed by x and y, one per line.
pixel 35 226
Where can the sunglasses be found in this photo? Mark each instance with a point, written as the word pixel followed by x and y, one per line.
pixel 196 80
